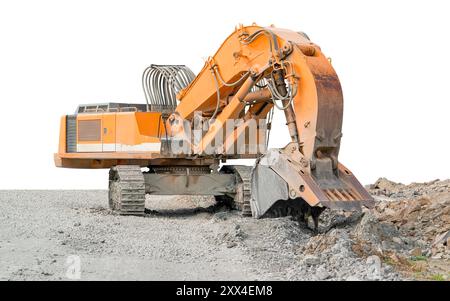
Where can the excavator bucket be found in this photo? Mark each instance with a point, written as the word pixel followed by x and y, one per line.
pixel 282 184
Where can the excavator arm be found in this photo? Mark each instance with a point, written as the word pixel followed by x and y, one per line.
pixel 253 53
pixel 254 70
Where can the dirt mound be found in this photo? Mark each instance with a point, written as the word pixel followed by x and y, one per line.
pixel 404 237
pixel 420 212
pixel 407 231
pixel 409 227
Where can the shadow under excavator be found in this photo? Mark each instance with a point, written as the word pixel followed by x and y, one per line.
pixel 217 207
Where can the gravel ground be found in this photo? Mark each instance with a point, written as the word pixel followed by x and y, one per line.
pixel 41 230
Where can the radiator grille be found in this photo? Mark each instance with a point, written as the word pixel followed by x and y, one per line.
pixel 71 133
pixel 89 130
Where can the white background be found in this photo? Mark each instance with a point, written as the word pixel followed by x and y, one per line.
pixel 392 57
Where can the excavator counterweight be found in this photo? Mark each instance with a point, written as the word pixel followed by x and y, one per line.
pixel 192 124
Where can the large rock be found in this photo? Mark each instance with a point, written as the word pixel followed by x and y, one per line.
pixel 310 260
pixel 416 252
pixel 373 267
pixel 441 238
pixel 371 230
pixel 385 187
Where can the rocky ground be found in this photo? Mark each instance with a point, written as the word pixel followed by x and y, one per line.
pixel 416 220
pixel 405 236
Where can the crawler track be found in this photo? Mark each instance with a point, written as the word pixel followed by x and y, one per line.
pixel 127 190
pixel 243 174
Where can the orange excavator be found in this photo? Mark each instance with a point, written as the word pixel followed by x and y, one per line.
pixel 178 142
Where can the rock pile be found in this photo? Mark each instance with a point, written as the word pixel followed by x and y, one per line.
pixel 407 231
pixel 419 211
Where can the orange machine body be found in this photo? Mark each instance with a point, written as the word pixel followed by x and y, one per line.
pixel 106 139
pixel 106 136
